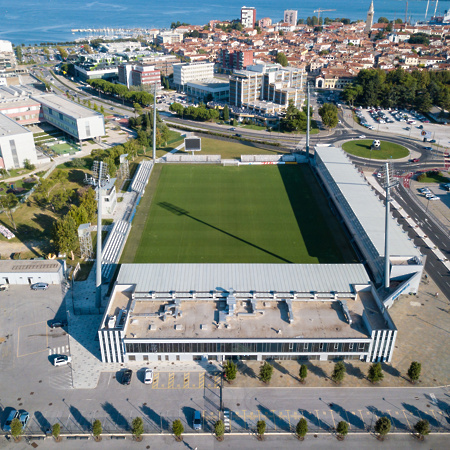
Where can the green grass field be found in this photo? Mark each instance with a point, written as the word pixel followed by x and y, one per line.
pixel 361 147
pixel 246 214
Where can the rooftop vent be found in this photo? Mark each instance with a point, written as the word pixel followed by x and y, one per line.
pixel 179 327
pixel 203 326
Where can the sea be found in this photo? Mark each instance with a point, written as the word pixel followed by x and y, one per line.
pixel 36 21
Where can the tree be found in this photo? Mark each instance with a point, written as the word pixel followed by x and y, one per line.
pixel 303 372
pixel 342 428
pixel 27 164
pixel 383 426
pixel 422 427
pixel 265 372
pixel 97 428
pixel 16 428
pixel 302 427
pixel 56 430
pixel 137 427
pixel 226 113
pixel 329 114
pixel 63 52
pixel 230 370
pixel 177 428
pixel 414 371
pixel 219 429
pixel 281 59
pixel 375 373
pixel 65 234
pixel 260 428
pixel 383 20
pixel 8 202
pixel 338 372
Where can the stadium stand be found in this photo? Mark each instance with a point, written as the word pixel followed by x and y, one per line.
pixel 174 158
pixel 141 177
pixel 113 248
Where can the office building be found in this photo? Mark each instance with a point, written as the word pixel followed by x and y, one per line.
pixel 290 17
pixel 248 17
pixel 138 75
pixel 184 73
pixel 169 37
pixel 16 144
pixel 16 103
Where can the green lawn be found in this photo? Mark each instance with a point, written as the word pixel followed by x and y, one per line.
pixel 361 147
pixel 254 127
pixel 246 214
pixel 434 177
pixel 232 150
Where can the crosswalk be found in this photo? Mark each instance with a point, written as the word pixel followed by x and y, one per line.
pixel 58 350
pixel 61 378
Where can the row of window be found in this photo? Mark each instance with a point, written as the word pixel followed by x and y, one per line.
pixel 244 348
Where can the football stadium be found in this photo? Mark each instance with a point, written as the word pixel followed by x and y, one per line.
pixel 279 259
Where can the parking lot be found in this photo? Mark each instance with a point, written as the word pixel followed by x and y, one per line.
pixel 406 123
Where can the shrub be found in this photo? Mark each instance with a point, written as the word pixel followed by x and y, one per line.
pixel 342 428
pixel 177 428
pixel 265 372
pixel 137 427
pixel 303 372
pixel 383 426
pixel 219 428
pixel 422 427
pixel 16 428
pixel 375 373
pixel 302 427
pixel 56 430
pixel 230 370
pixel 261 427
pixel 414 371
pixel 97 428
pixel 338 372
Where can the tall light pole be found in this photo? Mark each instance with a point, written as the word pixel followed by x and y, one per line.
pixel 154 125
pixel 388 183
pixel 100 170
pixel 308 120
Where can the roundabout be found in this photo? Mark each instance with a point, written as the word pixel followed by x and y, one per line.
pixel 382 150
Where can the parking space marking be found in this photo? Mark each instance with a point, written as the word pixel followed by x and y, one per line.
pixel 170 382
pixel 18 339
pixel 334 423
pixel 348 421
pixel 201 380
pixel 409 425
pixel 155 381
pixel 392 420
pixel 186 380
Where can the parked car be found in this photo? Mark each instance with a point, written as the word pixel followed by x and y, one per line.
pixel 434 197
pixel 415 160
pixel 39 286
pixel 197 425
pixel 126 376
pixel 56 323
pixel 24 417
pixel 362 136
pixel 433 141
pixel 148 376
pixel 62 360
pixel 14 414
pixel 424 190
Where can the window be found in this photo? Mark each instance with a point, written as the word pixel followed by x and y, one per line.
pixel 321 346
pixel 145 357
pixel 305 346
pixel 132 358
pixel 291 346
pixel 350 346
pixel 336 345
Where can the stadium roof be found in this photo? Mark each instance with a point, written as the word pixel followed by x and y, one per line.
pixel 244 277
pixel 365 204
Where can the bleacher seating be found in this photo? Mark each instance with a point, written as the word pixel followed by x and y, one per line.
pixel 113 247
pixel 142 176
pixel 8 234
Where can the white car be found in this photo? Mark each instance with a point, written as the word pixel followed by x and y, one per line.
pixel 434 197
pixel 148 377
pixel 62 360
pixel 362 136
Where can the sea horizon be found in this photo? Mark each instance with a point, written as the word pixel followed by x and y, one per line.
pixel 33 22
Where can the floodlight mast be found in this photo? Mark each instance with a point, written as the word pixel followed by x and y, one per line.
pixel 388 184
pixel 154 126
pixel 99 170
pixel 308 120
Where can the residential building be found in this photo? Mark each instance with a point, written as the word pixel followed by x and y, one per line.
pixel 7 56
pixel 79 122
pixel 265 22
pixel 138 75
pixel 235 59
pixel 169 37
pixel 290 16
pixel 16 144
pixel 267 83
pixel 248 17
pixel 163 63
pixel 184 73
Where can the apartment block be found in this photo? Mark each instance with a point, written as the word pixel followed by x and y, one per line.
pixel 248 17
pixel 290 16
pixel 138 75
pixel 235 60
pixel 184 73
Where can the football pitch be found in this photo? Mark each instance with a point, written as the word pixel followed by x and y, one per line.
pixel 245 214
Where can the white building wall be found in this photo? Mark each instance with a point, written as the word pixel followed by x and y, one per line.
pixel 16 148
pixel 91 127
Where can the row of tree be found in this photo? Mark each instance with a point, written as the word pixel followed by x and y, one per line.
pixel 398 88
pixel 122 92
pixel 143 124
pixel 200 113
